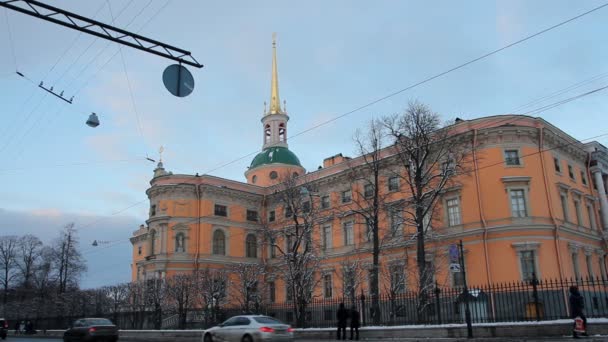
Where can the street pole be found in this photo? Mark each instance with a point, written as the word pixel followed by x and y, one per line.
pixel 467 310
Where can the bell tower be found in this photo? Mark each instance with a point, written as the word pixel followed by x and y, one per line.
pixel 276 161
pixel 275 118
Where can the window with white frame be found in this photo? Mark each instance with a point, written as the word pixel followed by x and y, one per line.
pixel 369 230
pixel 589 261
pixel 583 178
pixel 512 157
pixel 396 221
pixel 347 196
pixel 368 190
pixel 571 172
pixel 397 279
pixel 393 183
pixel 349 238
pixel 453 207
pixel 518 203
pixel 251 246
pixel 273 247
pixel 219 242
pixel 326 236
pixel 591 213
pixel 325 202
pixel 528 264
pixel 575 265
pixel 327 286
pixel 579 213
pixel 557 165
pixel 564 201
pixel 271 216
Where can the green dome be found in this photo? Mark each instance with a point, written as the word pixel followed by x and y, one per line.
pixel 275 155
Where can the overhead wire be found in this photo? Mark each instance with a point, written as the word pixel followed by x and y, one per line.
pixel 419 83
pixel 124 66
pixel 10 38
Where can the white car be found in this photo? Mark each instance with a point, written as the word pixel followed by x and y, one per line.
pixel 250 328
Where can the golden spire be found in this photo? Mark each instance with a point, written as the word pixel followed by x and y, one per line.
pixel 275 101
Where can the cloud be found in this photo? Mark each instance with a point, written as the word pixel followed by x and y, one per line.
pixel 107 263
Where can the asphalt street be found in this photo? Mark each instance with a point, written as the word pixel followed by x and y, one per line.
pixel 595 338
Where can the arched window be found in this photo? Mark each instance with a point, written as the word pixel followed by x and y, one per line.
pixel 273 175
pixel 219 242
pixel 282 136
pixel 266 133
pixel 180 243
pixel 152 241
pixel 251 246
pixel 254 179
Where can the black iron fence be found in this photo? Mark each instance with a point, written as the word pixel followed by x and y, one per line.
pixel 509 302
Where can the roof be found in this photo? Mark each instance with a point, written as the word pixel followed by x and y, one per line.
pixel 275 155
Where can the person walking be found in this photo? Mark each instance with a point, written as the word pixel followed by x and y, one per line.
pixel 354 323
pixel 342 316
pixel 577 304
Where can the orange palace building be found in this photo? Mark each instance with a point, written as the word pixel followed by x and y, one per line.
pixel 534 203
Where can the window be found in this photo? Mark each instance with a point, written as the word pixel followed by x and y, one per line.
pixel 575 265
pixel 518 203
pixel 583 178
pixel 180 245
pixel 453 211
pixel 254 179
pixel 272 291
pixel 571 172
pixel 396 221
pixel 288 292
pixel 512 157
pixel 139 250
pixel 219 242
pixel 327 286
pixel 368 190
pixel 579 214
pixel 591 213
pixel 397 279
pixel 251 246
pixel 153 210
pixel 602 266
pixel 346 196
pixel 557 165
pixel 325 202
pixel 271 216
pixel 288 211
pixel 326 233
pixel 220 210
pixel 589 266
pixel 273 248
pixel 152 241
pixel 393 183
pixel 252 215
pixel 348 234
pixel 564 200
pixel 273 175
pixel 289 243
pixel 369 230
pixel 528 265
pixel 306 207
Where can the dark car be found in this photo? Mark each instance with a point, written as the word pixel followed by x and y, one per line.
pixel 3 328
pixel 91 329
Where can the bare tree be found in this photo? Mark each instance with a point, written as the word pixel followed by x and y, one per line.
pixel 180 295
pixel 8 263
pixel 248 285
pixel 298 256
pixel 136 303
pixel 117 295
pixel 431 159
pixel 30 248
pixel 68 260
pixel 369 200
pixel 352 278
pixel 211 291
pixel 155 292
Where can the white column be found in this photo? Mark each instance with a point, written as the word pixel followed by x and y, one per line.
pixel 599 182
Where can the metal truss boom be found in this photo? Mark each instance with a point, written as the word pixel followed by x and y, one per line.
pixel 101 30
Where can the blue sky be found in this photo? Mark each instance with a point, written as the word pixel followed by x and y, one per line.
pixel 333 56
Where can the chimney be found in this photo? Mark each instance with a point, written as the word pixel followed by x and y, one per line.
pixel 333 160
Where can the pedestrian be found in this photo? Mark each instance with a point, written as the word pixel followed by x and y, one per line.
pixel 22 327
pixel 16 327
pixel 577 304
pixel 354 323
pixel 342 316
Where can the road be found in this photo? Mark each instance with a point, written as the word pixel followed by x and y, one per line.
pixel 595 339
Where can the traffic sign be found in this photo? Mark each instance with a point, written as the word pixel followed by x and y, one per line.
pixel 454 254
pixel 455 268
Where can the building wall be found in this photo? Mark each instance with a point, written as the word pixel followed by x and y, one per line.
pixel 493 238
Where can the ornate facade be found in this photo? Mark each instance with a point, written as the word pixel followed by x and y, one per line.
pixel 535 203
